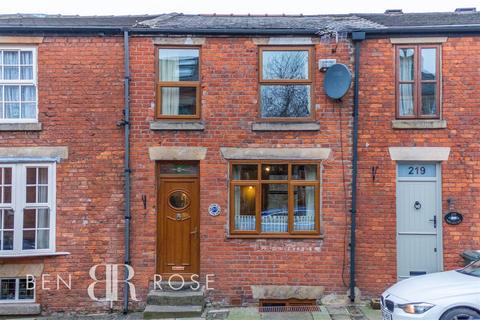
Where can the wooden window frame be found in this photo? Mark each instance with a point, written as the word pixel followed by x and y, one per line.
pixel 417 81
pixel 190 84
pixel 310 81
pixel 258 198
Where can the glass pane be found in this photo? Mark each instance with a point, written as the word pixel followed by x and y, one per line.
pixel 285 101
pixel 29 218
pixel 406 64
pixel 244 207
pixel 28 93
pixel 274 208
pixel 178 168
pixel 12 93
pixel 8 219
pixel 7 240
pixel 42 194
pixel 304 208
pixel 26 58
pixel 429 99
pixel 10 73
pixel 12 110
pixel 429 63
pixel 179 64
pixel 179 101
pixel 28 239
pixel 43 239
pixel 7 175
pixel 417 170
pixel 285 65
pixel 304 172
pixel 31 194
pixel 274 171
pixel 29 110
pixel 26 73
pixel 7 289
pixel 42 175
pixel 43 218
pixel 7 195
pixel 179 200
pixel 406 100
pixel 25 290
pixel 31 175
pixel 245 172
pixel 10 57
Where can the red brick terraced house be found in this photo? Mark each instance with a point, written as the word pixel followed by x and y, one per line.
pixel 205 149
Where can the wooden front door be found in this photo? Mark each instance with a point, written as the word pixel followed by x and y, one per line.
pixel 178 226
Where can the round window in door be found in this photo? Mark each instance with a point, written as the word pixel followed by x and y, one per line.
pixel 179 200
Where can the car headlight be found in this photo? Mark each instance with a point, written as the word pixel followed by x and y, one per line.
pixel 416 308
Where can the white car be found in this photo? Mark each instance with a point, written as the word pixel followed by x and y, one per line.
pixel 451 295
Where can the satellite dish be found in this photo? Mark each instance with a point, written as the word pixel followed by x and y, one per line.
pixel 337 81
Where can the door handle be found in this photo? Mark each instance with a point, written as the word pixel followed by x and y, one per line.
pixel 194 233
pixel 434 220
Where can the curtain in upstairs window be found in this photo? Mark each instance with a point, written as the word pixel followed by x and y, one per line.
pixel 169 71
pixel 406 79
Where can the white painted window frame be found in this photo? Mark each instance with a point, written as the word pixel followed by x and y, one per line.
pixel 17 292
pixel 23 82
pixel 19 171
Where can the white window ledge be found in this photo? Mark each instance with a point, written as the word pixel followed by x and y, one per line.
pixel 33 254
pixel 419 124
pixel 37 126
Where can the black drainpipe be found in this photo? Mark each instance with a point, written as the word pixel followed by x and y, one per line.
pixel 127 170
pixel 357 38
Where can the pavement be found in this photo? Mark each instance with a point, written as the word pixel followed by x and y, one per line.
pixel 325 313
pixel 355 312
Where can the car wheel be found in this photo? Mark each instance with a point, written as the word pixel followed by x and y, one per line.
pixel 460 314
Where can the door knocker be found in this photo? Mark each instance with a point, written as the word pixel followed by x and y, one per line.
pixel 417 205
pixel 179 216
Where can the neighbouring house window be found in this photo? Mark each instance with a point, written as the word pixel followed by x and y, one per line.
pixel 27 210
pixel 270 198
pixel 286 82
pixel 418 81
pixel 18 85
pixel 178 89
pixel 17 290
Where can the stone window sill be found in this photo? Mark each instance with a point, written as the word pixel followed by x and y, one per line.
pixel 419 124
pixel 18 309
pixel 37 126
pixel 33 254
pixel 286 126
pixel 177 126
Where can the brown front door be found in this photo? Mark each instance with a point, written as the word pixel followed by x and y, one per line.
pixel 178 226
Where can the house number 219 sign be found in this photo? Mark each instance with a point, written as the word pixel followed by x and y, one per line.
pixel 416 170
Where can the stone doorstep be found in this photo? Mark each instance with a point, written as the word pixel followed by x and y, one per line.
pixel 167 312
pixel 177 298
pixel 18 309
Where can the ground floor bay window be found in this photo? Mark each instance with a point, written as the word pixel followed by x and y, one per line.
pixel 278 199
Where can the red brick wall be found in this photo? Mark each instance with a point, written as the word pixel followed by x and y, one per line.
pixel 376 208
pixel 229 106
pixel 80 89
